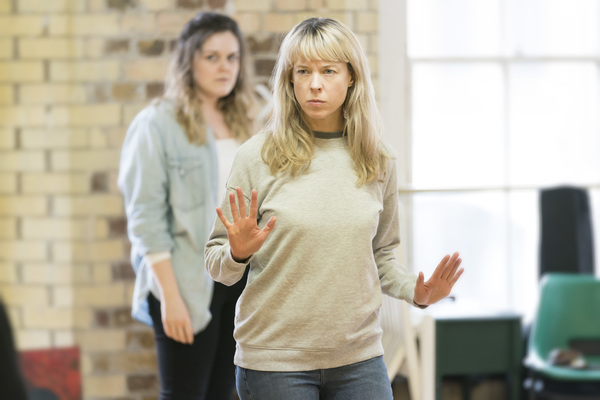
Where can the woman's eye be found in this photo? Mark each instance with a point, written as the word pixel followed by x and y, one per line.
pixel 329 72
pixel 233 57
pixel 302 72
pixel 211 57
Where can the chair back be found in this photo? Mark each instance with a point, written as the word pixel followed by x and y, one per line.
pixel 569 308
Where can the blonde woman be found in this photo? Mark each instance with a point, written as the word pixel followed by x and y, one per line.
pixel 174 156
pixel 316 220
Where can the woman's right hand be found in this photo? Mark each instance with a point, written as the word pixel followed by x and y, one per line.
pixel 176 319
pixel 245 237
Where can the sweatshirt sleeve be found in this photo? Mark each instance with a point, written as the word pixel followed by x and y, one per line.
pixel 395 279
pixel 143 180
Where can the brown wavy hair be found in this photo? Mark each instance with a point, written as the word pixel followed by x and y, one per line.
pixel 238 107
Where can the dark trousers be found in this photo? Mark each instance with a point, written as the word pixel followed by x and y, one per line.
pixel 205 369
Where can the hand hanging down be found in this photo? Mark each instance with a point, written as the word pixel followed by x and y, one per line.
pixel 245 237
pixel 441 282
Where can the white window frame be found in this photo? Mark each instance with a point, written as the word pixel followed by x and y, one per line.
pixel 395 97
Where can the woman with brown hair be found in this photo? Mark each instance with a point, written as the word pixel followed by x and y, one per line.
pixel 175 159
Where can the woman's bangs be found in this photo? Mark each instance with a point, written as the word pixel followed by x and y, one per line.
pixel 316 47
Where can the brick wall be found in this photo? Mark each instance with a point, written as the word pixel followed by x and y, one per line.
pixel 73 73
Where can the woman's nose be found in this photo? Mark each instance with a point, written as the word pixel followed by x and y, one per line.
pixel 225 63
pixel 315 82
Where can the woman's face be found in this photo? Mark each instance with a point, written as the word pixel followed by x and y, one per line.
pixel 216 66
pixel 320 88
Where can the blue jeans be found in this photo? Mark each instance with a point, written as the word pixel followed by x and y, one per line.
pixel 364 380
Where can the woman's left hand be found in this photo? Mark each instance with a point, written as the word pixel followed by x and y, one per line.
pixel 441 282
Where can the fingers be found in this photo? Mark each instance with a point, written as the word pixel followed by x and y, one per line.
pixel 238 210
pixel 167 329
pixel 454 268
pixel 233 207
pixel 184 334
pixel 419 288
pixel 179 334
pixel 450 266
pixel 456 276
pixel 451 273
pixel 171 330
pixel 253 204
pixel 189 332
pixel 180 331
pixel 223 219
pixel 241 202
pixel 420 279
pixel 270 225
pixel 437 273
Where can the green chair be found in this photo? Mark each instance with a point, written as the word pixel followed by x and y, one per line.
pixel 568 317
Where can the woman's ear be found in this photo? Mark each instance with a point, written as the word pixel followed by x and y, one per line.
pixel 351 71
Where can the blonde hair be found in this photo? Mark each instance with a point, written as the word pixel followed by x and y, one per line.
pixel 289 140
pixel 238 107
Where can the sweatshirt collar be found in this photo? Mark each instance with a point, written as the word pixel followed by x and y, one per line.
pixel 328 135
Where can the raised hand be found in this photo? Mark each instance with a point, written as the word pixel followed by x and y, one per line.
pixel 441 282
pixel 245 237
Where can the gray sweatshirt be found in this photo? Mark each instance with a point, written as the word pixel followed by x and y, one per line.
pixel 314 289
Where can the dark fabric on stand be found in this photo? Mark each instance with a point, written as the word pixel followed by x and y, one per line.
pixel 12 384
pixel 566 231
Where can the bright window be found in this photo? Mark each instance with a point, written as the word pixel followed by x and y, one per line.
pixel 502 98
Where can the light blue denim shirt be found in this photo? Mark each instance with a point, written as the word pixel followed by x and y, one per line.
pixel 170 191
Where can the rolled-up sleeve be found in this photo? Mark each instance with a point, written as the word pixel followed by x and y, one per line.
pixel 143 180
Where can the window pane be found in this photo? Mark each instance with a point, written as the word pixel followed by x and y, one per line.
pixel 495 122
pixel 554 123
pixel 454 28
pixel 474 224
pixel 554 27
pixel 523 251
pixel 458 125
